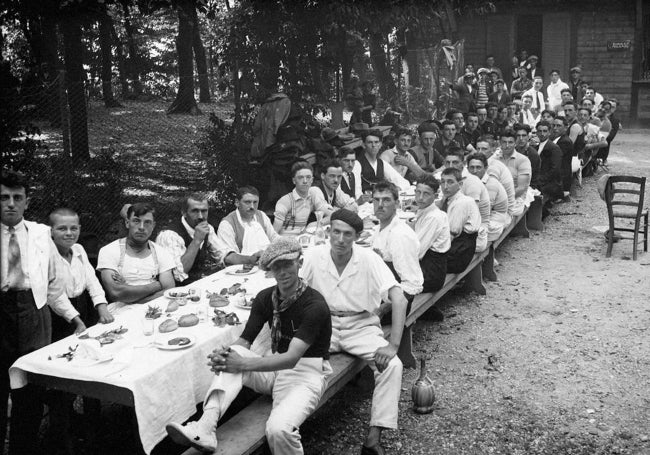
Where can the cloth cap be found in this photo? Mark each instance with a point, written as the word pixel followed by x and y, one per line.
pixel 468 75
pixel 348 217
pixel 533 57
pixel 329 134
pixel 427 127
pixel 482 70
pixel 576 69
pixel 500 80
pixel 283 248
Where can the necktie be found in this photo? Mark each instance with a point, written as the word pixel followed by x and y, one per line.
pixel 14 268
pixel 351 184
pixel 445 205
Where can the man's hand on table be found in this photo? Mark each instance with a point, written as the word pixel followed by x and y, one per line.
pixel 105 316
pixel 79 326
pixel 384 355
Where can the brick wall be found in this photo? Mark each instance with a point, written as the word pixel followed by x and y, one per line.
pixel 609 72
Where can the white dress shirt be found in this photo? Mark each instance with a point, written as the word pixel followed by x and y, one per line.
pixel 174 244
pixel 431 226
pixel 554 92
pixel 362 285
pixel 462 215
pixel 78 275
pixel 256 236
pixel 398 244
pixel 38 259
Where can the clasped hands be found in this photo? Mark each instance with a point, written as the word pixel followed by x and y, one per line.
pixel 225 360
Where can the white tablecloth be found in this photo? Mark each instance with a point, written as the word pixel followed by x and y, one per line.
pixel 166 385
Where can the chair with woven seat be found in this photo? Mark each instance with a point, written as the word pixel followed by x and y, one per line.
pixel 624 196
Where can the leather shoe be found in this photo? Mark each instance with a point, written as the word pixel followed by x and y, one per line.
pixel 373 450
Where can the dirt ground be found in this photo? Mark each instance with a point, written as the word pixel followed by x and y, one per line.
pixel 555 359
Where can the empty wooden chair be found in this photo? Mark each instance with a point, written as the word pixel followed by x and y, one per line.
pixel 624 196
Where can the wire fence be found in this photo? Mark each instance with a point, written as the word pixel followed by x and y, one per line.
pixel 94 159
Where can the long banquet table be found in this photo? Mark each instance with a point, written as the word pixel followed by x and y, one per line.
pixel 162 385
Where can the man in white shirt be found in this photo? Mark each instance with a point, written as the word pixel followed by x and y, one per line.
pixel 245 232
pixel 87 296
pixel 329 186
pixel 135 269
pixel 528 116
pixel 432 229
pixel 464 220
pixel 29 280
pixel 554 90
pixel 355 280
pixel 537 97
pixel 292 210
pixel 373 168
pixel 192 241
pixel 487 147
pixel 394 241
pixel 400 158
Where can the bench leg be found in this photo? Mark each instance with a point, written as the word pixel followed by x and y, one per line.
pixel 534 215
pixel 488 266
pixel 520 228
pixel 474 280
pixel 405 351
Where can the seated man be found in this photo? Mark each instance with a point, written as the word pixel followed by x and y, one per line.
pixel 477 164
pixel 135 269
pixel 246 231
pixel 474 188
pixel 192 241
pixel 294 373
pixel 487 147
pixel 464 220
pixel 394 241
pixel 550 172
pixel 400 158
pixel 80 282
pixel 525 146
pixel 425 155
pixel 447 139
pixel 431 227
pixel 351 181
pixel 356 280
pixel 520 169
pixel 470 133
pixel 329 186
pixel 292 210
pixel 528 115
pixel 373 168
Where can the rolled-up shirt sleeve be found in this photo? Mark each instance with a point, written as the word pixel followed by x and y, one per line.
pixel 93 285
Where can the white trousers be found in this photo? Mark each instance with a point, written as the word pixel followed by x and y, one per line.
pixel 498 222
pixel 482 238
pixel 295 392
pixel 361 336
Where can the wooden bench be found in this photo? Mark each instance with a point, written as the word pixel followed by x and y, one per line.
pixel 245 432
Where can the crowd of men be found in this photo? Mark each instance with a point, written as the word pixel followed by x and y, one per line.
pixel 472 174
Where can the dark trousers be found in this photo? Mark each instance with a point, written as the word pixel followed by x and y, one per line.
pixel 434 270
pixel 23 329
pixel 567 175
pixel 461 252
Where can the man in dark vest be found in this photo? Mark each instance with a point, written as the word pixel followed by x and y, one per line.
pixel 192 241
pixel 246 231
pixel 373 168
pixel 330 185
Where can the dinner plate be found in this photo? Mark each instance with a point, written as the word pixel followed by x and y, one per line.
pixel 234 271
pixel 162 343
pixel 181 292
pixel 363 243
pixel 406 215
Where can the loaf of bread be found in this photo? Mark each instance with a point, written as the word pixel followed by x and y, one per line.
pixel 172 306
pixel 188 320
pixel 168 325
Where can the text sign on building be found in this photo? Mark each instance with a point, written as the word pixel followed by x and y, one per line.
pixel 621 45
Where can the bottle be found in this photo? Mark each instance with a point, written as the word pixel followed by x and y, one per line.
pixel 319 234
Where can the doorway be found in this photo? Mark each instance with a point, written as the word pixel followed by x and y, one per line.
pixel 529 36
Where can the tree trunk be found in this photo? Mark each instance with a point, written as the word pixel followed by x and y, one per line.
pixel 121 64
pixel 411 43
pixel 74 79
pixel 105 25
pixel 199 58
pixel 382 71
pixel 133 63
pixel 184 102
pixel 346 59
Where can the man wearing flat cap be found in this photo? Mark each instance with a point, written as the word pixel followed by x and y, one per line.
pixel 294 372
pixel 356 280
pixel 575 83
pixel 427 157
